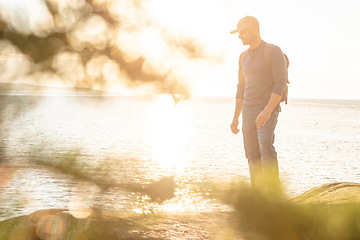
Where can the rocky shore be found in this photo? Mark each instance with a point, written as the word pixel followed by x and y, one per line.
pixel 330 211
pixel 60 224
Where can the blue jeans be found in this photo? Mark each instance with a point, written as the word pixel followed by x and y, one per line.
pixel 260 150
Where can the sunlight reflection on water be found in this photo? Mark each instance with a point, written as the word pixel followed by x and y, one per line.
pixel 169 133
pixel 126 139
pixel 139 140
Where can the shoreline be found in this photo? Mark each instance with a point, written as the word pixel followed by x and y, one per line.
pixel 112 225
pixel 334 204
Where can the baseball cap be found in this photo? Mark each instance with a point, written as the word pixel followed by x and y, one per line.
pixel 245 22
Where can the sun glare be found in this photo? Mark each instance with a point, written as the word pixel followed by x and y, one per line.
pixel 169 133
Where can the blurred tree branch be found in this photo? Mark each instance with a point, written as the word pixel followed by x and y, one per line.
pixel 159 191
pixel 90 29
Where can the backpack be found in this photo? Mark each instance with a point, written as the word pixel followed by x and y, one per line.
pixel 267 52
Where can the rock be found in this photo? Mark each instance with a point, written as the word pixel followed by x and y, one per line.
pixel 162 190
pixel 327 212
pixel 18 228
pixel 42 224
pixel 331 193
pixel 38 215
pixel 58 224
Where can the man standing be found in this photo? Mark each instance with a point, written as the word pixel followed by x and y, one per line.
pixel 262 80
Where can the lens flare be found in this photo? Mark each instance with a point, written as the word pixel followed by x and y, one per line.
pixel 82 200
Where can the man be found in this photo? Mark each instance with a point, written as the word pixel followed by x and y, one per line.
pixel 261 84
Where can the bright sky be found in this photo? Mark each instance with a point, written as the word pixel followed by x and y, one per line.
pixel 321 39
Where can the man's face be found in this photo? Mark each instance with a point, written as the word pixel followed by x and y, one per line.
pixel 247 35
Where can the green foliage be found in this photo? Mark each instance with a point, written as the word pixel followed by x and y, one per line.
pixel 279 218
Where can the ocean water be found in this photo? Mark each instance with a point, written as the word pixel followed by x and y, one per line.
pixel 141 139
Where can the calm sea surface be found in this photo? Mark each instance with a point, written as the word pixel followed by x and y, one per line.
pixel 141 139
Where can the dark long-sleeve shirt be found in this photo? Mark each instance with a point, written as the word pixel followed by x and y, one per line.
pixel 259 77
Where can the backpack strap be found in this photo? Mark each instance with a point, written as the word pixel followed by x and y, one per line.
pixel 267 52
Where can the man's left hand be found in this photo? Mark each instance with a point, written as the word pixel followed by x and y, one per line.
pixel 262 118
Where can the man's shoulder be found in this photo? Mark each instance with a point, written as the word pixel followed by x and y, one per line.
pixel 242 56
pixel 273 47
pixel 244 52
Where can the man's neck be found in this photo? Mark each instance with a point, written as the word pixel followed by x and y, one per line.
pixel 255 43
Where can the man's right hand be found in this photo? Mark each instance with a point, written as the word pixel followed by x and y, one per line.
pixel 234 126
